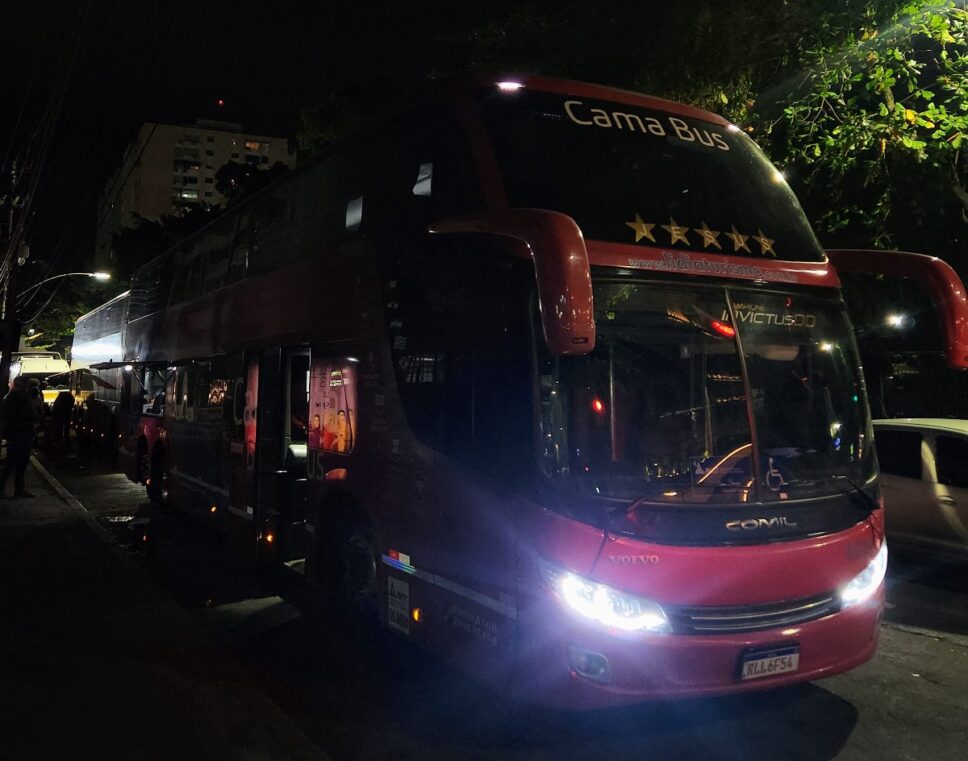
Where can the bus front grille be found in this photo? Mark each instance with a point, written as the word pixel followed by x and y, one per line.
pixel 751 618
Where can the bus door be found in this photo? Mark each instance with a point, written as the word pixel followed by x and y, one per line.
pixel 486 440
pixel 331 433
pixel 281 479
pixel 483 374
pixel 242 439
pixel 331 418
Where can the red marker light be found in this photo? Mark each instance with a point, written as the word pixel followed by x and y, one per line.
pixel 220 103
pixel 723 329
pixel 598 406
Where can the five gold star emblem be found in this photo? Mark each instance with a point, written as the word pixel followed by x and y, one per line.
pixel 708 236
pixel 642 229
pixel 766 245
pixel 739 240
pixel 677 233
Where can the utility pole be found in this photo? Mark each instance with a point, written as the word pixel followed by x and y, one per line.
pixel 9 326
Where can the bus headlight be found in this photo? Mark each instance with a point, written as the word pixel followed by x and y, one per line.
pixel 606 605
pixel 866 583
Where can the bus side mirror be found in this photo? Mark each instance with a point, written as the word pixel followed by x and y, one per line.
pixel 942 283
pixel 555 245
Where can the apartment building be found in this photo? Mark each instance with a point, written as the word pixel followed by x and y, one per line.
pixel 170 167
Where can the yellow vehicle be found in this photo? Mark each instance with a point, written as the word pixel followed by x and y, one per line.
pixel 82 384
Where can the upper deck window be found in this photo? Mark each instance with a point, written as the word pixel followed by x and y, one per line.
pixel 633 175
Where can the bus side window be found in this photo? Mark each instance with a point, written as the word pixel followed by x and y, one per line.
pixel 127 390
pixel 171 394
pixel 190 381
pixel 233 409
pixel 238 264
pixel 155 390
pixel 203 388
pixel 461 342
pixel 298 398
pixel 179 396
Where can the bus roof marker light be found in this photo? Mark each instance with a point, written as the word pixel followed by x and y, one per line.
pixel 509 86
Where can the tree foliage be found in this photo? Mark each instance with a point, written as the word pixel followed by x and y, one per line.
pixel 864 102
pixel 138 245
pixel 877 129
pixel 236 181
pixel 718 56
pixel 54 310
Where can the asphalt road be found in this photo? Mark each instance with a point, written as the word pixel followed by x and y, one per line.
pixel 383 699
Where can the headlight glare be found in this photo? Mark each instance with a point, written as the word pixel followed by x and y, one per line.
pixel 867 582
pixel 606 605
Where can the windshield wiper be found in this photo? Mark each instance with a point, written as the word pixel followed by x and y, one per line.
pixel 858 493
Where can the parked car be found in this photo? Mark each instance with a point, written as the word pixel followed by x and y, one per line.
pixel 924 481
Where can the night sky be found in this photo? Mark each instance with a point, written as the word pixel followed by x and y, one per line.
pixel 139 61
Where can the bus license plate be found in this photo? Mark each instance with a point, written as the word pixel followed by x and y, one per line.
pixel 757 664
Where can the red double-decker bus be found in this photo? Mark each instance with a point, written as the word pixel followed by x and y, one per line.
pixel 551 378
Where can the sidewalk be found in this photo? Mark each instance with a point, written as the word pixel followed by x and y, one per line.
pixel 96 662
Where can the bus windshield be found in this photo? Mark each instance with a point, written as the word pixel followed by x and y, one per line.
pixel 684 380
pixel 628 174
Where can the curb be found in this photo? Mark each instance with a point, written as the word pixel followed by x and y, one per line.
pixel 956 639
pixel 99 531
pixel 286 732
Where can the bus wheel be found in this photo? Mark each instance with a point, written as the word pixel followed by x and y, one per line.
pixel 354 566
pixel 155 483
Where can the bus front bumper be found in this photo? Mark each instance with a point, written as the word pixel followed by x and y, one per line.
pixel 579 664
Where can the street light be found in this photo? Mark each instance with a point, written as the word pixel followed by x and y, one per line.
pixel 99 276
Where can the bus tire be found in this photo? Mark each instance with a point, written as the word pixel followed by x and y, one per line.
pixel 346 567
pixel 155 483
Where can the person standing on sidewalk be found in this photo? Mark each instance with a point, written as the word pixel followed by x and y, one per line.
pixel 18 429
pixel 38 407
